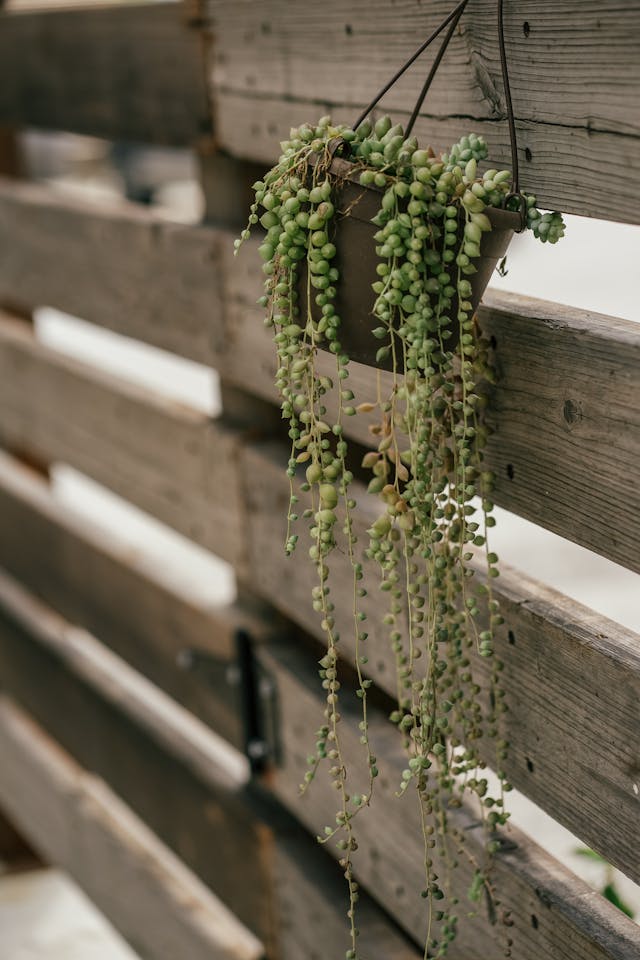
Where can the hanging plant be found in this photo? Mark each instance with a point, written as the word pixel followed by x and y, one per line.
pixel 379 251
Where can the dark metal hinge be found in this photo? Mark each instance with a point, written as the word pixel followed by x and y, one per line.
pixel 256 696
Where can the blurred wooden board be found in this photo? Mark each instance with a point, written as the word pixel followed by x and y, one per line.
pixel 221 827
pixel 127 598
pixel 174 775
pixel 122 73
pixel 118 265
pixel 566 446
pixel 76 821
pixel 169 459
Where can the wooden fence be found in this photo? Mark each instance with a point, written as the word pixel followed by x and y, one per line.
pixel 116 684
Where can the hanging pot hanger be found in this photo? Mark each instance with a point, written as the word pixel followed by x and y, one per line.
pixel 451 21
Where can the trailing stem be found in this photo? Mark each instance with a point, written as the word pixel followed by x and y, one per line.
pixel 427 471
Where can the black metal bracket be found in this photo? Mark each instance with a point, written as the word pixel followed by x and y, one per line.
pixel 259 705
pixel 256 696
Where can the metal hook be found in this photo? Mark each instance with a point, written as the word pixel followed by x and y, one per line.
pixel 522 208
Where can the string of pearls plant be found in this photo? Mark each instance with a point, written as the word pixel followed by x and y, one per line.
pixel 426 468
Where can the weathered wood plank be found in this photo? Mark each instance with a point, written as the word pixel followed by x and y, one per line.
pixel 357 46
pixel 566 420
pixel 566 447
pixel 79 824
pixel 567 442
pixel 559 658
pixel 168 769
pixel 126 599
pixel 167 458
pixel 313 921
pixel 552 913
pixel 129 73
pixel 575 84
pixel 266 505
pixel 121 267
pixel 202 822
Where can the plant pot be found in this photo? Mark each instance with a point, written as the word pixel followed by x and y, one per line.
pixel 356 260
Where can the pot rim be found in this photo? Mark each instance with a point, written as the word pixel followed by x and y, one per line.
pixel 501 219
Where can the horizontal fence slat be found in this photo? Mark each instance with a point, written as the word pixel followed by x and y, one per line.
pixel 551 912
pixel 556 644
pixel 121 267
pixel 574 120
pixel 559 657
pixel 570 918
pixel 575 85
pixel 567 442
pixel 166 457
pixel 203 824
pixel 566 419
pixel 242 845
pixel 126 598
pixel 566 446
pixel 53 428
pixel 78 823
pixel 133 73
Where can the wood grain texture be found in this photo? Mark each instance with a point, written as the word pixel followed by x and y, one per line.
pixel 264 531
pixel 167 458
pixel 127 599
pixel 553 913
pixel 203 822
pixel 566 446
pixel 172 780
pixel 566 420
pixel 79 824
pixel 575 84
pixel 169 771
pixel 569 735
pixel 119 266
pixel 312 910
pixel 133 73
pixel 567 443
